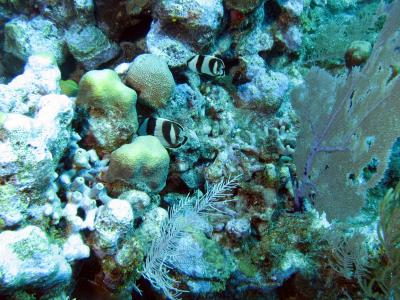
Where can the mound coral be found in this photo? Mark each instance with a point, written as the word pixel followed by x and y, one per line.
pixel 111 107
pixel 143 162
pixel 150 77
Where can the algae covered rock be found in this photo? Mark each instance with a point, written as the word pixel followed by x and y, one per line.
pixel 113 221
pixel 111 107
pixel 205 262
pixel 151 226
pixel 293 7
pixel 175 52
pixel 266 88
pixel 150 76
pixel 138 200
pixel 31 149
pixel 24 37
pixel 35 129
pixel 238 228
pixel 144 162
pixel 197 20
pixel 28 259
pixel 90 46
pixel 242 6
pixel 41 77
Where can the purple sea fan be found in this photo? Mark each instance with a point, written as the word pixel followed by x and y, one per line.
pixel 348 126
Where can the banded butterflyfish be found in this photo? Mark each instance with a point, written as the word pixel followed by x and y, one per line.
pixel 170 134
pixel 207 64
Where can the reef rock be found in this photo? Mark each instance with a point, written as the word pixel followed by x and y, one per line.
pixel 243 6
pixel 238 228
pixel 29 259
pixel 90 46
pixel 117 17
pixel 175 52
pixel 41 77
pixel 24 37
pixel 32 144
pixel 113 221
pixel 293 7
pixel 203 260
pixel 266 89
pixel 197 20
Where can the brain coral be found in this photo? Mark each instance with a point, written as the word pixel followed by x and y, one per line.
pixel 150 77
pixel 144 162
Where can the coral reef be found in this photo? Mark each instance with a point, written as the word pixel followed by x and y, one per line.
pixel 298 134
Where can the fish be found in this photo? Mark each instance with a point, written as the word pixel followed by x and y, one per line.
pixel 170 133
pixel 207 64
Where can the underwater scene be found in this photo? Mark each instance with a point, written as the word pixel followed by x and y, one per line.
pixel 199 149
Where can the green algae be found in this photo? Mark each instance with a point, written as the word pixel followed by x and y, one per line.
pixel 69 87
pixel 246 265
pixel 214 256
pixel 27 248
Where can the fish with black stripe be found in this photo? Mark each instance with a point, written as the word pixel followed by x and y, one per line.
pixel 170 134
pixel 207 64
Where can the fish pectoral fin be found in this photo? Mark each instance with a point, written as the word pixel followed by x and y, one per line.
pixel 185 139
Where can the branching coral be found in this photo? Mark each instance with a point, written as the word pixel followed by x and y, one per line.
pixel 75 182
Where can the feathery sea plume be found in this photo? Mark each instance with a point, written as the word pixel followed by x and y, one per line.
pixel 183 215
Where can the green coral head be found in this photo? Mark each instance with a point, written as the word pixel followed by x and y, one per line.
pixel 104 91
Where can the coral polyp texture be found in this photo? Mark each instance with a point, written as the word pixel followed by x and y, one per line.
pixel 199 149
pixel 150 76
